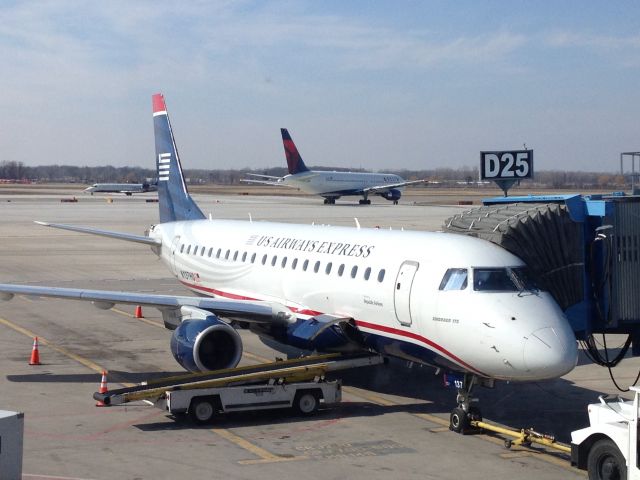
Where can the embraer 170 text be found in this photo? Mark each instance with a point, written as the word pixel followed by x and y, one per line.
pixel 455 302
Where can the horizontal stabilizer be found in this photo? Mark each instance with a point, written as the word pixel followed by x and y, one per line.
pixel 105 233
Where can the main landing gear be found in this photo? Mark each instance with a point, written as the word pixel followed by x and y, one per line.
pixel 365 201
pixel 461 416
pixel 330 201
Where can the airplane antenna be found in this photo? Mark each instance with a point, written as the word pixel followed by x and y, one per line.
pixel 357 223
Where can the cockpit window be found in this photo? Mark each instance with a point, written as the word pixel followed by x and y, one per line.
pixel 502 280
pixel 454 279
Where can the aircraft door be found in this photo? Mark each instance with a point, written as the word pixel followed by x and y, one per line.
pixel 174 247
pixel 402 291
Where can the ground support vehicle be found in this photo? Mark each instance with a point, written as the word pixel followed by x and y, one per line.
pixel 298 383
pixel 608 448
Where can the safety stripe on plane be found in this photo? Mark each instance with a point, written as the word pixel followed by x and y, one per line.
pixel 359 323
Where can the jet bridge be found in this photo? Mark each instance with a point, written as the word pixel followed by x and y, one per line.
pixel 583 249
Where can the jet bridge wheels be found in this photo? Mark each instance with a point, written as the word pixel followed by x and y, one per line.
pixel 306 402
pixel 202 410
pixel 605 461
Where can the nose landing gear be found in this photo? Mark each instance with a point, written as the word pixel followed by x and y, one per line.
pixel 461 416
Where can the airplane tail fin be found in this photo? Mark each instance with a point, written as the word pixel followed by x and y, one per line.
pixel 173 197
pixel 294 160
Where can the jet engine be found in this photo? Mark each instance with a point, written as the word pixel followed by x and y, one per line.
pixel 205 344
pixel 393 195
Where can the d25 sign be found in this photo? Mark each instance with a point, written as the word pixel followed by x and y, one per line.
pixel 514 164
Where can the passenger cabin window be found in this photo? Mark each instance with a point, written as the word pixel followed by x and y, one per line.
pixel 327 270
pixel 305 265
pixel 274 260
pixel 264 259
pixel 219 252
pixel 188 249
pixel 235 256
pixel 253 258
pixel 381 275
pixel 341 270
pixel 182 248
pixel 316 267
pixel 210 252
pixel 454 279
pixel 294 264
pixel 354 271
pixel 284 262
pixel 226 255
pixel 202 251
pixel 503 280
pixel 367 273
pixel 244 256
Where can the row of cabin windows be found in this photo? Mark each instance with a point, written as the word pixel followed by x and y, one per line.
pixel 283 262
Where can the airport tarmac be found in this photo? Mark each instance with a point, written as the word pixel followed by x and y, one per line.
pixel 392 422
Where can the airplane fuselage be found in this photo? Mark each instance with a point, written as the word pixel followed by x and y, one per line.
pixel 389 282
pixel 338 184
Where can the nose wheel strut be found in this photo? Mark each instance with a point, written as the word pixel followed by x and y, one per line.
pixel 462 416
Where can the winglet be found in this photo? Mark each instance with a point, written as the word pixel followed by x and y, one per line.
pixel 158 104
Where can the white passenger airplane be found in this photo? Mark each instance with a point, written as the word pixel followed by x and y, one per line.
pixel 332 185
pixel 455 302
pixel 126 188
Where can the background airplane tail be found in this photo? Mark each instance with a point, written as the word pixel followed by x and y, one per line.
pixel 294 160
pixel 173 198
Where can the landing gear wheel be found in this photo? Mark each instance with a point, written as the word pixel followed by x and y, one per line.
pixel 605 462
pixel 326 201
pixel 395 202
pixel 367 202
pixel 458 420
pixel 306 403
pixel 202 410
pixel 508 444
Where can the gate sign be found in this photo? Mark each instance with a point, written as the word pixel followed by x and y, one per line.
pixel 506 165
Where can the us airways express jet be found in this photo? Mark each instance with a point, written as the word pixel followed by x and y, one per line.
pixel 451 301
pixel 126 188
pixel 332 185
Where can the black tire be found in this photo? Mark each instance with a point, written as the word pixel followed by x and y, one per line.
pixel 202 410
pixel 458 421
pixel 306 402
pixel 605 461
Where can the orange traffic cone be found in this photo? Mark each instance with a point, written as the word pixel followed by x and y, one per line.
pixel 103 388
pixel 35 355
pixel 139 312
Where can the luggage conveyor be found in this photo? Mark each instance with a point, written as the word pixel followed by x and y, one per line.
pixel 289 371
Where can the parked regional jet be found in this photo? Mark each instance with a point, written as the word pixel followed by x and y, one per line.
pixel 126 188
pixel 455 302
pixel 332 185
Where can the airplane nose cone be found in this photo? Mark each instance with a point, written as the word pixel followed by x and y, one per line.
pixel 550 353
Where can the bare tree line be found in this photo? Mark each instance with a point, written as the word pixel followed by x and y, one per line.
pixel 17 171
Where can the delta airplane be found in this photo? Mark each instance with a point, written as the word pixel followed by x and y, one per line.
pixel 332 185
pixel 126 188
pixel 454 302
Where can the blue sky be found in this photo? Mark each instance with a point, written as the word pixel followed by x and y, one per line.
pixel 406 84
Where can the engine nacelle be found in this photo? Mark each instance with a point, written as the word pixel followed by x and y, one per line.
pixel 201 345
pixel 393 195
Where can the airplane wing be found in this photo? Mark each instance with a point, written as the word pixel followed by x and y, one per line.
pixel 252 311
pixel 382 188
pixel 274 183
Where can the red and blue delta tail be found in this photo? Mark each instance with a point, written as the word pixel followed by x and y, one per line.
pixel 294 160
pixel 173 198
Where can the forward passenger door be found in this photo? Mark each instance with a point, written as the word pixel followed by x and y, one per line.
pixel 402 291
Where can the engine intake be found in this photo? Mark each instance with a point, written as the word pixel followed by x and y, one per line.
pixel 201 345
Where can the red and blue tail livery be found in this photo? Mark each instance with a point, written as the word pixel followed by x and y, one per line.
pixel 174 199
pixel 294 160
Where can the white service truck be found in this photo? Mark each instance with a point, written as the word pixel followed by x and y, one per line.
pixel 608 448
